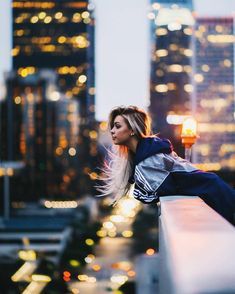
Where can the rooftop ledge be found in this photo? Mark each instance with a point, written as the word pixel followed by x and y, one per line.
pixel 197 248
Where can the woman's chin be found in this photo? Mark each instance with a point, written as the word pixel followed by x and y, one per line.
pixel 115 142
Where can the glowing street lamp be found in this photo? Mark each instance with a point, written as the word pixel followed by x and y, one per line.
pixel 189 135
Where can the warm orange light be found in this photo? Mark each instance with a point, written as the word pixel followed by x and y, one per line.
pixel 189 127
pixel 189 132
pixel 131 273
pixel 150 251
pixel 67 274
pixel 96 267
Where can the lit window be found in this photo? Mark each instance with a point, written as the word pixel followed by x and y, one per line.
pixel 221 38
pixel 82 79
pixel 62 39
pixel 227 63
pixel 174 26
pixel 77 17
pixel 34 19
pixel 162 88
pixel 161 53
pixel 175 68
pixel 188 31
pixel 171 86
pixel 42 15
pixel 161 32
pixel 58 15
pixel 15 51
pixel 205 67
pixel 187 68
pixel 173 47
pixel 85 14
pixel 199 78
pixel 219 28
pixel 48 19
pixel 188 88
pixel 188 52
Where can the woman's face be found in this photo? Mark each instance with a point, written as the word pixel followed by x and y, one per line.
pixel 121 133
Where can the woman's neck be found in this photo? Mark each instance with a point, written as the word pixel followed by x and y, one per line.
pixel 132 144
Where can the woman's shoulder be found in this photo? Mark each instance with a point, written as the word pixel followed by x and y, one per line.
pixel 168 162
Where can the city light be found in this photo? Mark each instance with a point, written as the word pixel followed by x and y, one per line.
pixel 96 267
pixel 188 88
pixel 41 278
pixel 89 242
pixel 74 263
pixel 131 274
pixel 199 78
pixel 108 225
pixel 28 255
pixel 221 38
pixel 189 127
pixel 127 234
pixel 189 135
pixel 175 119
pixel 161 88
pixel 35 287
pixel 161 32
pixel 24 272
pixel 150 251
pixel 61 204
pixel 175 68
pixel 119 279
pixel 174 26
pixel 162 53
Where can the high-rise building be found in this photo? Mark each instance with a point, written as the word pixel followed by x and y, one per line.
pixel 214 102
pixel 171 69
pixel 41 128
pixel 57 34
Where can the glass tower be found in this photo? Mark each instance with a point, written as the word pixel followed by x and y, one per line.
pixel 41 128
pixel 214 93
pixel 58 35
pixel 171 70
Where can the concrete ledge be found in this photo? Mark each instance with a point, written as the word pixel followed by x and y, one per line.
pixel 197 248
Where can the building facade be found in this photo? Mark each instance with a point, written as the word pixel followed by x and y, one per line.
pixel 57 35
pixel 40 127
pixel 53 53
pixel 171 66
pixel 214 101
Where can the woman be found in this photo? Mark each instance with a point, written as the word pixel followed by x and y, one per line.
pixel 151 164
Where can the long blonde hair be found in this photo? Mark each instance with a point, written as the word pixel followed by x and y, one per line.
pixel 119 169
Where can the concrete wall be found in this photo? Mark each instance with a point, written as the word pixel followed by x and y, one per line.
pixel 196 248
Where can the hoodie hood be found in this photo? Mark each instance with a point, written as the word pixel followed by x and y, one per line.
pixel 150 146
pixel 147 147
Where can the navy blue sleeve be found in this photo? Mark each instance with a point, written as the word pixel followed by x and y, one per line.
pixel 209 187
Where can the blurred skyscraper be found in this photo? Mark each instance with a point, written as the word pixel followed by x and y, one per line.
pixel 57 35
pixel 53 133
pixel 171 69
pixel 214 103
pixel 40 127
